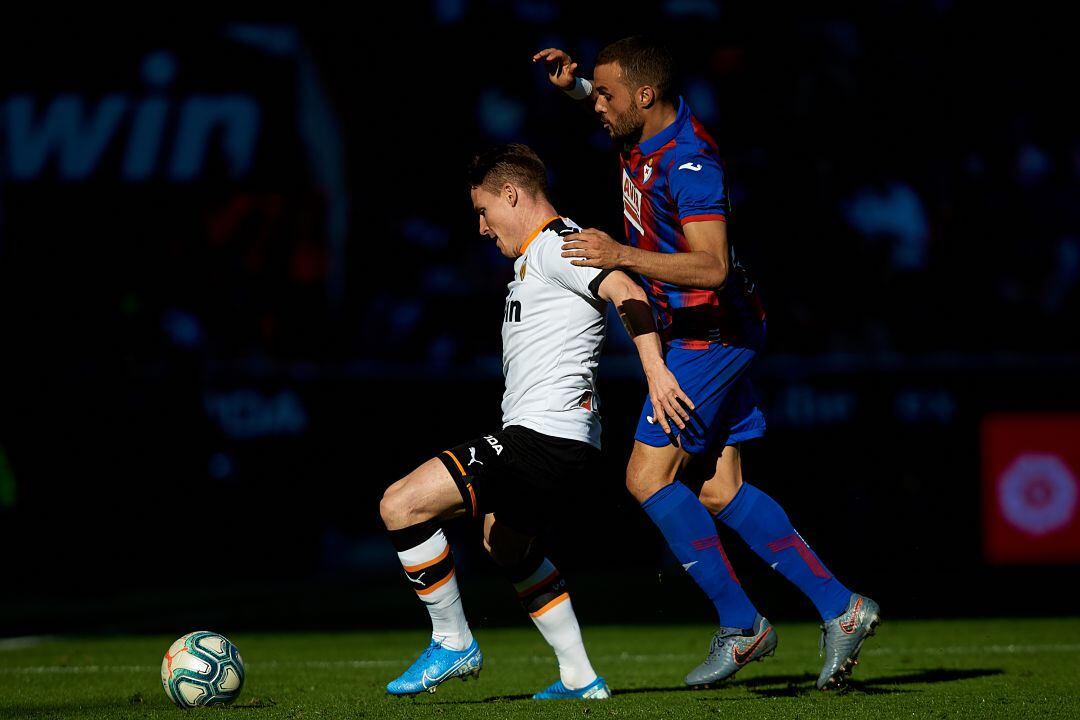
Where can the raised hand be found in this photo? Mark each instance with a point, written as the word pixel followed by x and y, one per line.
pixel 560 68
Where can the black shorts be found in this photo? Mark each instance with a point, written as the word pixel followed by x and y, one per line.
pixel 518 474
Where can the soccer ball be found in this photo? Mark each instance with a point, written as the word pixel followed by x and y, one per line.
pixel 202 668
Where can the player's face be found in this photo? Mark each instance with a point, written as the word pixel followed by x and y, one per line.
pixel 615 104
pixel 497 220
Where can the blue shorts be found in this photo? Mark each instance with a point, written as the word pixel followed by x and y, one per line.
pixel 725 407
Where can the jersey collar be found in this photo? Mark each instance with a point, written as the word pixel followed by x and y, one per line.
pixel 537 231
pixel 662 138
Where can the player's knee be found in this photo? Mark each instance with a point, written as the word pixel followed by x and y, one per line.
pixel 715 495
pixel 507 556
pixel 643 481
pixel 387 506
pixel 394 506
pixel 496 553
pixel 642 485
pixel 506 551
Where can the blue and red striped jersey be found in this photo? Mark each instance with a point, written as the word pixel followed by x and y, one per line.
pixel 674 178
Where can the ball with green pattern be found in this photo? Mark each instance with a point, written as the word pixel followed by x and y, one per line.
pixel 202 668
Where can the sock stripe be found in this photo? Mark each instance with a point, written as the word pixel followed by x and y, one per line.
pixel 766 528
pixel 409 538
pixel 714 542
pixel 539 588
pixel 799 545
pixel 436 586
pixel 706 543
pixel 727 564
pixel 530 570
pixel 690 532
pixel 550 579
pixel 429 563
pixel 553 603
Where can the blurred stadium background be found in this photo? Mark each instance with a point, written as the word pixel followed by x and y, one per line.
pixel 242 291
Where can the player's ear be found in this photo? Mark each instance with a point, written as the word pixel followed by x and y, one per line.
pixel 510 194
pixel 646 97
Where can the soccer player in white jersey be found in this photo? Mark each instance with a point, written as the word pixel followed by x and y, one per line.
pixel 553 329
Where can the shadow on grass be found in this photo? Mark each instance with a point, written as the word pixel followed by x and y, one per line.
pixel 492 699
pixel 52 710
pixel 794 685
pixel 79 708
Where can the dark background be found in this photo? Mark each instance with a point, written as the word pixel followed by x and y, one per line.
pixel 242 291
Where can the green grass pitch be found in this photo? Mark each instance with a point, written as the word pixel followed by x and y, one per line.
pixel 911 669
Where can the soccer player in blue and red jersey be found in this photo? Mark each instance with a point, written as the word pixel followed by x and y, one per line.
pixel 675 207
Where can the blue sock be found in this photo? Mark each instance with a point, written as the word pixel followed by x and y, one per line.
pixel 691 534
pixel 765 527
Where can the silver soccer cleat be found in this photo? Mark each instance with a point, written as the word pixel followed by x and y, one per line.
pixel 842 639
pixel 731 649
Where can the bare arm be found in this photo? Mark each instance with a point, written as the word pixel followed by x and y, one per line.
pixel 668 399
pixel 705 266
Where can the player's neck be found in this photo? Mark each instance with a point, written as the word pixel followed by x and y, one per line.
pixel 656 119
pixel 539 216
pixel 534 220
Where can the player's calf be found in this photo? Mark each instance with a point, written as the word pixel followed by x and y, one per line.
pixel 411 508
pixel 429 567
pixel 543 594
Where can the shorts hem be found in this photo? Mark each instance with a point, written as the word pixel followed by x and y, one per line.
pixel 644 441
pixel 744 436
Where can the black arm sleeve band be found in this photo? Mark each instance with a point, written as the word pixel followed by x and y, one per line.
pixel 594 286
pixel 637 317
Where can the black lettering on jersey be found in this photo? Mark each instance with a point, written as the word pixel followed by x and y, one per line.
pixel 512 311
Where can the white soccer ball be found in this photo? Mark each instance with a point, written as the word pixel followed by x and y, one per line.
pixel 202 668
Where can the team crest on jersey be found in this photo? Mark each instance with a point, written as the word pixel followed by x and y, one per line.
pixel 631 201
pixel 521 274
pixel 646 172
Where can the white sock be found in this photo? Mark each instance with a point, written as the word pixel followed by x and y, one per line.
pixel 430 567
pixel 559 626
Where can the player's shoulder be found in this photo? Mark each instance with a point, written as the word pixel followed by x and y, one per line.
pixel 694 145
pixel 695 152
pixel 694 162
pixel 551 237
pixel 563 226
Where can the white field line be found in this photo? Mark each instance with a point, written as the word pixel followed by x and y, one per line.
pixel 1030 649
pixel 18 643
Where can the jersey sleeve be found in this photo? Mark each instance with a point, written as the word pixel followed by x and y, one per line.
pixel 698 188
pixel 561 271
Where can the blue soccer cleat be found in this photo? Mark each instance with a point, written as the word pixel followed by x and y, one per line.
pixel 596 690
pixel 435 666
